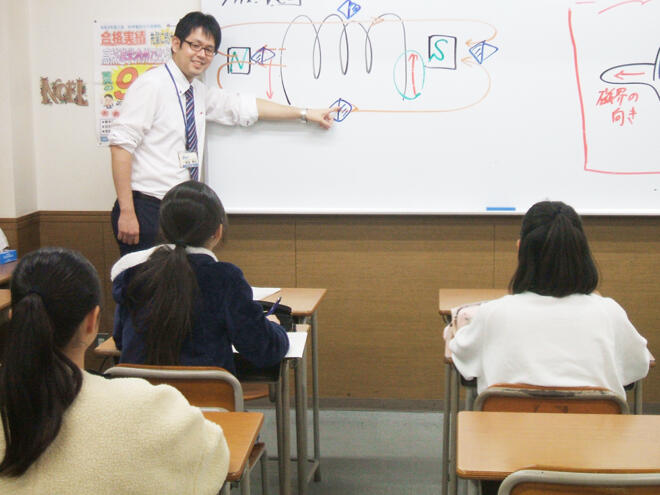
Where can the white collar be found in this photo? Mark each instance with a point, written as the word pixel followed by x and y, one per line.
pixel 139 257
pixel 182 83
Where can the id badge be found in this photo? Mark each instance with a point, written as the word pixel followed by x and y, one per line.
pixel 188 159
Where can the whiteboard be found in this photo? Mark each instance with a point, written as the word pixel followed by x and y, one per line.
pixel 447 106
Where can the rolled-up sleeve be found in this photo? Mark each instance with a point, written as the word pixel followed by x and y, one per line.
pixel 631 352
pixel 228 108
pixel 136 116
pixel 466 348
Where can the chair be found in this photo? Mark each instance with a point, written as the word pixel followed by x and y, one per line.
pixel 108 350
pixel 529 398
pixel 210 389
pixel 538 482
pixel 519 397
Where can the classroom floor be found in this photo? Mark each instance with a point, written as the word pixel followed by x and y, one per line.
pixel 368 453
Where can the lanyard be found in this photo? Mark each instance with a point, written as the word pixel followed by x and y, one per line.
pixel 183 114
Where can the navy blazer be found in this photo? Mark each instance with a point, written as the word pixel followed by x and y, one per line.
pixel 225 314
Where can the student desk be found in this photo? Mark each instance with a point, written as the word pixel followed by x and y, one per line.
pixel 448 299
pixel 5 272
pixel 304 304
pixel 5 300
pixel 107 349
pixel 492 445
pixel 241 430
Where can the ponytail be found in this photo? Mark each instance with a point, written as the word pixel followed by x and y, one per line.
pixel 160 299
pixel 161 294
pixel 37 381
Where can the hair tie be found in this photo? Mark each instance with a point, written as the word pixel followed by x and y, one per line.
pixel 34 290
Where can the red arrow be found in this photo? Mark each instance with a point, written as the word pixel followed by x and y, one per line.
pixel 621 74
pixel 412 58
pixel 269 92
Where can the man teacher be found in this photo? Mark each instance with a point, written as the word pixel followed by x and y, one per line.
pixel 157 141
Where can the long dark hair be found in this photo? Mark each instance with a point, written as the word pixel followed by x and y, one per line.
pixel 162 292
pixel 52 291
pixel 554 258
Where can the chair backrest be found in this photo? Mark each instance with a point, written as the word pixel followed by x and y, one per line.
pixel 517 397
pixel 543 482
pixel 207 387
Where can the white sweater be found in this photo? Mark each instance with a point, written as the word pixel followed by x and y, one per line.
pixel 577 340
pixel 125 436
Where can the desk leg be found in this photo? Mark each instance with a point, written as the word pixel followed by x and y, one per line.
pixel 315 397
pixel 301 423
pixel 453 481
pixel 279 426
pixel 470 396
pixel 638 404
pixel 285 453
pixel 245 481
pixel 445 429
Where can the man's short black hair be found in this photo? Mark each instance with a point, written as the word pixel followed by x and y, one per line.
pixel 194 20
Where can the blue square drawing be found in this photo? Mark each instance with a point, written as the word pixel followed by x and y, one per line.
pixel 349 9
pixel 262 55
pixel 345 108
pixel 482 50
pixel 238 60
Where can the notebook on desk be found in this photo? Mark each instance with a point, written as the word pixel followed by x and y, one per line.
pixel 259 293
pixel 248 372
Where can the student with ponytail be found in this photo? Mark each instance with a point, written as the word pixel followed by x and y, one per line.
pixel 55 416
pixel 553 330
pixel 179 305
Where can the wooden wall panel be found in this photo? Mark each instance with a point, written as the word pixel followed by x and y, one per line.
pixel 263 247
pixel 22 233
pixel 507 230
pixel 110 256
pixel 84 232
pixel 379 326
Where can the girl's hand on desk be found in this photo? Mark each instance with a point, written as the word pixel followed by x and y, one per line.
pixel 273 318
pixel 449 332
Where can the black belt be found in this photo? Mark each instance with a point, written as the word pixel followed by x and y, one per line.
pixel 145 197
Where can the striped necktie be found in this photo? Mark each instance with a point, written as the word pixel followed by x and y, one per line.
pixel 191 133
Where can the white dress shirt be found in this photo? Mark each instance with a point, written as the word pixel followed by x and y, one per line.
pixel 574 341
pixel 151 125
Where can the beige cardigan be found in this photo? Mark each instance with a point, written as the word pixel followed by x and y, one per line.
pixel 125 436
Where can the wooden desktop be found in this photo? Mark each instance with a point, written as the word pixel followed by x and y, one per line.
pixel 491 445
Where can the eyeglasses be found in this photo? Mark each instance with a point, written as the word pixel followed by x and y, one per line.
pixel 196 47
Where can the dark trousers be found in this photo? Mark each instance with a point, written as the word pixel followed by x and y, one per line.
pixel 147 209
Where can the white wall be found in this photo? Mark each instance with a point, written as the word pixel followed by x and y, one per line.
pixel 17 184
pixel 54 162
pixel 7 201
